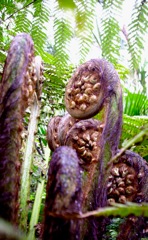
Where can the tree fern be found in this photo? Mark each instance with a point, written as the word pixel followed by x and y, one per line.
pixel 137 29
pixel 110 30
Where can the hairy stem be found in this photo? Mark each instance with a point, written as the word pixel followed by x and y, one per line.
pixel 63 195
pixel 99 90
pixel 13 102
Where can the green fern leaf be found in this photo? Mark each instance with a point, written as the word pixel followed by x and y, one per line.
pixel 131 127
pixel 63 33
pixel 66 4
pixel 135 103
pixel 137 29
pixel 39 25
pixel 85 14
pixel 22 21
pixel 110 29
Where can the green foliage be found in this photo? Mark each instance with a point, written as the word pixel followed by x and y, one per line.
pixel 113 229
pixel 63 32
pixel 85 13
pixel 39 25
pixel 67 4
pixel 35 18
pixel 135 103
pixel 137 29
pixel 131 127
pixel 122 210
pixel 110 30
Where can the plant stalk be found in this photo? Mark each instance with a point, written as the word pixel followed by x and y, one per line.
pixel 26 167
pixel 37 202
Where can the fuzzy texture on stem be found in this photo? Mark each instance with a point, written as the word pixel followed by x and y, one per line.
pixel 63 195
pixel 17 87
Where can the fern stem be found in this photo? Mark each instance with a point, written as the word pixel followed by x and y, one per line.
pixel 14 99
pixel 25 183
pixel 37 202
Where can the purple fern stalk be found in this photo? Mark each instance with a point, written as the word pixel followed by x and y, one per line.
pixel 13 102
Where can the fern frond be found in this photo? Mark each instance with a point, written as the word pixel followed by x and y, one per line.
pixel 131 127
pixel 122 71
pixel 135 103
pixel 39 25
pixel 85 14
pixel 63 32
pixel 66 4
pixel 7 7
pixel 110 30
pixel 23 22
pixel 54 90
pixel 137 29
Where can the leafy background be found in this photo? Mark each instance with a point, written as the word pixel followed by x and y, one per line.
pixel 55 27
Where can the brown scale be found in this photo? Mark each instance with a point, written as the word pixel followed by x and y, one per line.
pixel 84 95
pixel 127 179
pixel 84 138
pixel 52 132
pixel 29 84
pixel 38 76
pixel 63 196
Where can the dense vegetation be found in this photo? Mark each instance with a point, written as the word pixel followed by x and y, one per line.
pixel 54 26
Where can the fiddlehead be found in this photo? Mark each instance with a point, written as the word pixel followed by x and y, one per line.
pixel 84 138
pixel 63 195
pixel 17 87
pixel 95 88
pixel 128 181
pixel 65 125
pixel 57 130
pixel 52 133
